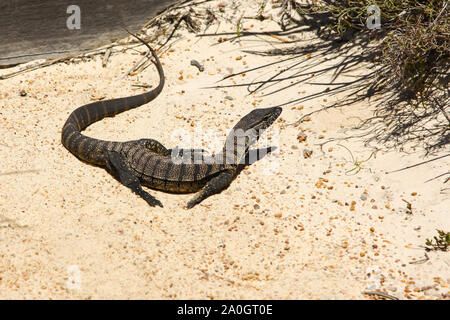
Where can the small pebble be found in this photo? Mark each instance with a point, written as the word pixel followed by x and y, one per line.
pixel 197 64
pixel 302 137
pixel 307 153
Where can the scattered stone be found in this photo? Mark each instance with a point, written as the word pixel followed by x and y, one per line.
pixel 197 64
pixel 302 137
pixel 307 153
pixel 306 119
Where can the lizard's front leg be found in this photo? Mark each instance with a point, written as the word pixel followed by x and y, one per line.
pixel 117 166
pixel 215 185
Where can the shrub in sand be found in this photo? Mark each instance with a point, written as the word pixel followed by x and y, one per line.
pixel 412 54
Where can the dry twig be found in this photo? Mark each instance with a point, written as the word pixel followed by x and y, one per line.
pixel 380 294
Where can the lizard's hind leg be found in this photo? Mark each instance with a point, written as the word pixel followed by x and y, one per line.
pixel 155 146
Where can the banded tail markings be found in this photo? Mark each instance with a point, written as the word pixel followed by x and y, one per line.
pixel 85 115
pixel 75 117
pixel 69 136
pixel 81 147
pixel 88 116
pixel 105 110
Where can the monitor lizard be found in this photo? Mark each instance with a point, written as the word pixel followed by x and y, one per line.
pixel 147 162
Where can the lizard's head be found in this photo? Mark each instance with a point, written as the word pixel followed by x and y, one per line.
pixel 247 131
pixel 258 119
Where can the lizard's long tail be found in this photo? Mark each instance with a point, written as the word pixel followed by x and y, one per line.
pixel 86 115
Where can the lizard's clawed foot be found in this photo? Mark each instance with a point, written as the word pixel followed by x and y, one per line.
pixel 155 203
pixel 151 200
pixel 191 204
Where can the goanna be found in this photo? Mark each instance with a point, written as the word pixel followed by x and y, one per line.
pixel 146 162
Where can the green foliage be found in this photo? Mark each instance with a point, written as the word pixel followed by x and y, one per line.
pixel 415 34
pixel 412 53
pixel 440 242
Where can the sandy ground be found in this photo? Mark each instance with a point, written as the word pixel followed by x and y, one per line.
pixel 288 227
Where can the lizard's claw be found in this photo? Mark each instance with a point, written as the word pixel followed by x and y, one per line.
pixel 151 200
pixel 191 204
pixel 157 203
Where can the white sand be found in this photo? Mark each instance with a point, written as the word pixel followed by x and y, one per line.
pixel 268 236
